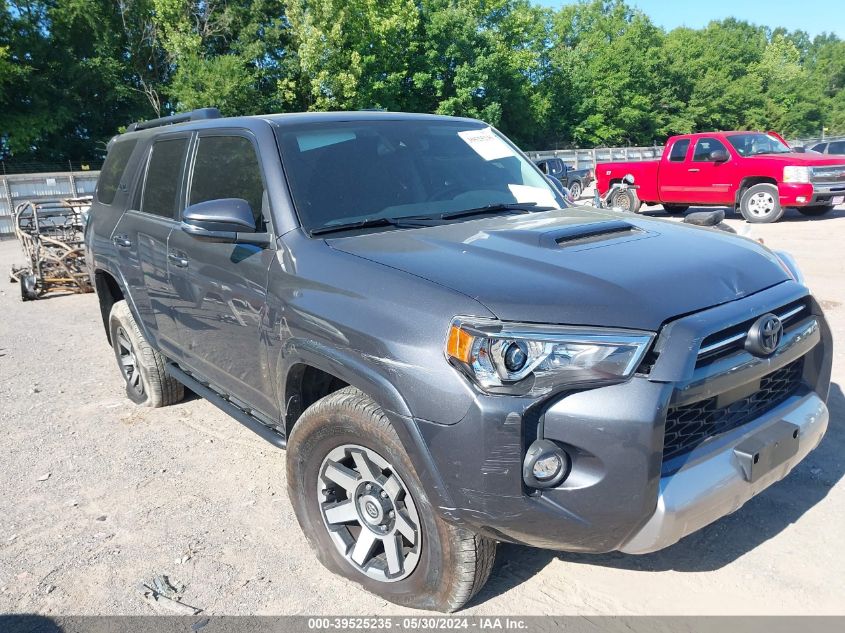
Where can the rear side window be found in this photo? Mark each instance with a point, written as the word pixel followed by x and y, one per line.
pixel 704 147
pixel 227 167
pixel 113 170
pixel 837 147
pixel 679 150
pixel 164 177
pixel 820 147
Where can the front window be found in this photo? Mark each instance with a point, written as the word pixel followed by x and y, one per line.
pixel 360 171
pixel 755 144
pixel 704 149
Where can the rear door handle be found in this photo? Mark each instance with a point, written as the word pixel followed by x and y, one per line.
pixel 122 241
pixel 177 260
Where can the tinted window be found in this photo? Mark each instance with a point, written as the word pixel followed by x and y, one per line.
pixel 113 170
pixel 341 172
pixel 164 175
pixel 227 167
pixel 819 147
pixel 837 147
pixel 679 150
pixel 703 148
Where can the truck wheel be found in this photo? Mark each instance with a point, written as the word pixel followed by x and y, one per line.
pixel 759 204
pixel 142 367
pixel 815 210
pixel 29 288
pixel 625 200
pixel 362 507
pixel 575 189
pixel 675 208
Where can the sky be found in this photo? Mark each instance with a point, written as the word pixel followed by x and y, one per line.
pixel 813 16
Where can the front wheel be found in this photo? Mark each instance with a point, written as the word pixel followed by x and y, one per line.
pixel 362 507
pixel 29 288
pixel 760 204
pixel 815 210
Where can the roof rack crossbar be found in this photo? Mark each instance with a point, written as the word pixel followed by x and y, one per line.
pixel 193 115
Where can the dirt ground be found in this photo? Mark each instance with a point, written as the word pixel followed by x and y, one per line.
pixel 98 496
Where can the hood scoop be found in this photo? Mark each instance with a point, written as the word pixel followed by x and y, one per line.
pixel 580 234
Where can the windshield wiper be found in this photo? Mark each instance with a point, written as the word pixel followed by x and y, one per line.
pixel 519 207
pixel 366 224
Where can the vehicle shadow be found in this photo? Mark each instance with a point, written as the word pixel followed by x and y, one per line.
pixel 791 215
pixel 28 623
pixel 718 544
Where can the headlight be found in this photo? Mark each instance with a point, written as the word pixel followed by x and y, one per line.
pixel 790 266
pixel 794 173
pixel 529 359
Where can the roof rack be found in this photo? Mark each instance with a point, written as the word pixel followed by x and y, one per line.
pixel 183 117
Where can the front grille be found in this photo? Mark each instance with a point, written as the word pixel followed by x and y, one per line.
pixel 828 175
pixel 689 425
pixel 732 339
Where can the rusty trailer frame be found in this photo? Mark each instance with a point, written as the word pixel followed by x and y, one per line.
pixel 51 235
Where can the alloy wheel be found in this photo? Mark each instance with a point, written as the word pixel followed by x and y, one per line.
pixel 369 513
pixel 129 362
pixel 761 204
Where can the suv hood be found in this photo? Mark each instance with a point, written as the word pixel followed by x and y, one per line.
pixel 578 266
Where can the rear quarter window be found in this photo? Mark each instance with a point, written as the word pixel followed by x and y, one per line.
pixel 679 150
pixel 113 168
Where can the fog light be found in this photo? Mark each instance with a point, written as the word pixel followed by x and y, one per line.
pixel 545 465
pixel 800 199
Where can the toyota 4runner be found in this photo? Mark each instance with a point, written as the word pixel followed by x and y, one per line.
pixel 451 354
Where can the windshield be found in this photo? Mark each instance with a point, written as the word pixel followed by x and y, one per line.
pixel 356 171
pixel 753 144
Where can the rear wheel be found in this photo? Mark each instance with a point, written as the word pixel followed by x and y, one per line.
pixel 675 208
pixel 575 189
pixel 625 200
pixel 815 210
pixel 362 507
pixel 142 367
pixel 760 204
pixel 29 288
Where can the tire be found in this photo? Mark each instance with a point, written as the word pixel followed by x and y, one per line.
pixel 675 208
pixel 815 210
pixel 143 368
pixel 29 288
pixel 575 189
pixel 625 200
pixel 759 204
pixel 436 565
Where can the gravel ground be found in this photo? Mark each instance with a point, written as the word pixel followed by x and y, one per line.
pixel 98 496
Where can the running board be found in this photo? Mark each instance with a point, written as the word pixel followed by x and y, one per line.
pixel 244 417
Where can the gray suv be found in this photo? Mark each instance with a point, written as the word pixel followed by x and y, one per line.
pixel 451 354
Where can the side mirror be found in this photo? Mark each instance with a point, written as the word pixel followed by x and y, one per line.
pixel 719 156
pixel 223 220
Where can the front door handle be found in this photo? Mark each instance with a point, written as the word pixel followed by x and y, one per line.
pixel 178 260
pixel 122 241
pixel 694 170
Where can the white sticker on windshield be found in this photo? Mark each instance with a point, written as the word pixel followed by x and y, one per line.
pixel 486 144
pixel 525 193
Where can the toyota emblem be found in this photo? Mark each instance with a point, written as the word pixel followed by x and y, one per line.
pixel 765 335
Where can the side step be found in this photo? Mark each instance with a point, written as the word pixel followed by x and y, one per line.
pixel 249 421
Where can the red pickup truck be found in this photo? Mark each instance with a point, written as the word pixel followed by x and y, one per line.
pixel 756 172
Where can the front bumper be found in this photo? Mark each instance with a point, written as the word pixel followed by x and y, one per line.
pixel 714 484
pixel 619 494
pixel 804 194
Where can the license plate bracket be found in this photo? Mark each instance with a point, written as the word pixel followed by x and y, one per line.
pixel 767 449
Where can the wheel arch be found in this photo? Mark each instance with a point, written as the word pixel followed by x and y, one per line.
pixel 749 182
pixel 109 292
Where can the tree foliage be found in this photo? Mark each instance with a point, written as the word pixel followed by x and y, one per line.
pixel 599 72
